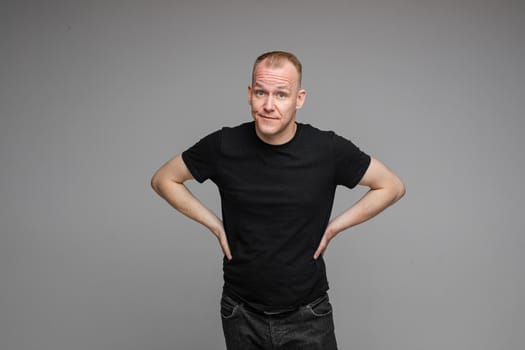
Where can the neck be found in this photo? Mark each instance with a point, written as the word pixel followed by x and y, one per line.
pixel 279 139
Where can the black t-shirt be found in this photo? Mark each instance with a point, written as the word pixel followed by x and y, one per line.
pixel 276 203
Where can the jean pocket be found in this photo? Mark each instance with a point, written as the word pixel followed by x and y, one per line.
pixel 320 307
pixel 228 307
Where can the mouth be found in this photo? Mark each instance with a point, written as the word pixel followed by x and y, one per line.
pixel 267 117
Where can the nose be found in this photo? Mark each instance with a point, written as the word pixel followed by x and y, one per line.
pixel 268 104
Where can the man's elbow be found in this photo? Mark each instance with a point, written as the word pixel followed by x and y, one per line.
pixel 155 183
pixel 163 183
pixel 158 183
pixel 398 189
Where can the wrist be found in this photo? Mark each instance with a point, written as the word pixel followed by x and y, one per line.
pixel 217 228
pixel 330 231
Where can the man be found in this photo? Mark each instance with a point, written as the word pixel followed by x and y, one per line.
pixel 277 180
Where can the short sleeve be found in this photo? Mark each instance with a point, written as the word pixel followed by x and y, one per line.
pixel 350 162
pixel 201 159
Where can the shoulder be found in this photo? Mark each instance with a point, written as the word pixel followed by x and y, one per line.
pixel 315 136
pixel 244 129
pixel 327 135
pixel 315 131
pixel 331 141
pixel 215 138
pixel 238 137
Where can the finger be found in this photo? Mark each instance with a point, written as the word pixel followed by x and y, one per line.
pixel 225 247
pixel 227 252
pixel 320 250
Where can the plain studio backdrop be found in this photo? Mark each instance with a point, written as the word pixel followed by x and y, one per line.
pixel 96 95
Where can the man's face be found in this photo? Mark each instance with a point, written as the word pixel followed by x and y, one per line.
pixel 274 97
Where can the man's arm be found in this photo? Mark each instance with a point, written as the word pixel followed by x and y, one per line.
pixel 385 189
pixel 168 182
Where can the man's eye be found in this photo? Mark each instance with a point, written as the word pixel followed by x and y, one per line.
pixel 259 93
pixel 281 95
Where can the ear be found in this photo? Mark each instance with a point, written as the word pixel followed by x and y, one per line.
pixel 301 96
pixel 249 94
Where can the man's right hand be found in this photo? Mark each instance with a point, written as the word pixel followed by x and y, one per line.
pixel 168 182
pixel 223 241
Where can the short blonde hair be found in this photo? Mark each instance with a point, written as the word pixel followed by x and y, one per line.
pixel 277 59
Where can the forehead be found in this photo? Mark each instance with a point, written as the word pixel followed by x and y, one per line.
pixel 286 75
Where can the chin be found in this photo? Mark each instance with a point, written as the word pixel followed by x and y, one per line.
pixel 264 127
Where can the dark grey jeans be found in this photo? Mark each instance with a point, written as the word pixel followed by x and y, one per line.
pixel 310 327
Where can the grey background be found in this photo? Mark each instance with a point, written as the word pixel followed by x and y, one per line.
pixel 96 95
